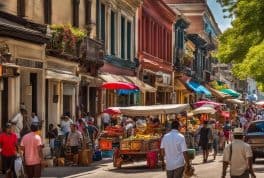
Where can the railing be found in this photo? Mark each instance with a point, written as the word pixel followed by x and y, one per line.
pixel 92 50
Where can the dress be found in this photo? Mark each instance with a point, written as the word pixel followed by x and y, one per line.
pixel 204 138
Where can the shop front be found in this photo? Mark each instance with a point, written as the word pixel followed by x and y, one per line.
pixel 62 84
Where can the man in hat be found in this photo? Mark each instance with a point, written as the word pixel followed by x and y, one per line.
pixel 239 155
pixel 8 142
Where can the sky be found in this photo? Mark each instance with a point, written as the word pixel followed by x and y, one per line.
pixel 216 9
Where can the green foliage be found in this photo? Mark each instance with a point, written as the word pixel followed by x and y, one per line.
pixel 66 38
pixel 243 43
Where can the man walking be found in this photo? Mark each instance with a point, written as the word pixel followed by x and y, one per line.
pixel 239 155
pixel 31 145
pixel 174 149
pixel 8 142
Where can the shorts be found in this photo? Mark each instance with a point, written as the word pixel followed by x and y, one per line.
pixel 33 171
pixel 74 149
pixel 176 173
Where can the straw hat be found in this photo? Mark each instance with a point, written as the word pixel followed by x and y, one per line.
pixel 238 131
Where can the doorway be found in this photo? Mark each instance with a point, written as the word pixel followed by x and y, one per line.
pixel 67 104
pixel 92 100
pixel 4 102
pixel 33 83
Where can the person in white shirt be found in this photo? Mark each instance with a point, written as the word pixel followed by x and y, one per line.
pixel 17 122
pixel 106 119
pixel 66 125
pixel 174 150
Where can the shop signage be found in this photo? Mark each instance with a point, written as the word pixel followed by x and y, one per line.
pixel 29 63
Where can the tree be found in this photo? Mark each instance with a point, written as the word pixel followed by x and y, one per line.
pixel 243 43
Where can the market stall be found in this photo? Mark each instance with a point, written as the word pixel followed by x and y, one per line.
pixel 144 144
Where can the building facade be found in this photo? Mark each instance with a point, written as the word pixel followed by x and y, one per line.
pixel 155 22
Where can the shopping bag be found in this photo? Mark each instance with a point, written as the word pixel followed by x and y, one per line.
pixel 19 168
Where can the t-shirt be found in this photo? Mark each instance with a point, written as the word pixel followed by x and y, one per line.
pixel 174 145
pixel 31 142
pixel 8 142
pixel 66 126
pixel 106 118
pixel 74 138
pixel 241 151
pixel 18 120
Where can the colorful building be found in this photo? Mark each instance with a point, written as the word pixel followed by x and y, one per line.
pixel 155 22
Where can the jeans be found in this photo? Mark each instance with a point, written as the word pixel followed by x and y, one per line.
pixel 176 173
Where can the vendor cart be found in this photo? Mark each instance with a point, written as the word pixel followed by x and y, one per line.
pixel 144 147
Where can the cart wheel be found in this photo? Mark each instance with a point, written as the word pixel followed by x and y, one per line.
pixel 117 160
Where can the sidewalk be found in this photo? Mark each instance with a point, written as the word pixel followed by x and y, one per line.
pixel 63 172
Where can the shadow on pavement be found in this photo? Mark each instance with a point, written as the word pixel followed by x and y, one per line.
pixel 134 169
pixel 72 172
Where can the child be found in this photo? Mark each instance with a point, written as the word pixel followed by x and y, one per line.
pixel 52 134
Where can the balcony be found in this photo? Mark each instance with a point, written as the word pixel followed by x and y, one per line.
pixel 92 51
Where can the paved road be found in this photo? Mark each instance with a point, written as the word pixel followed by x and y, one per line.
pixel 104 169
pixel 212 169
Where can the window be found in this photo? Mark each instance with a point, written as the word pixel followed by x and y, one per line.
pixel 88 4
pixel 21 8
pixel 75 13
pixel 113 33
pixel 123 40
pixel 47 11
pixel 102 23
pixel 128 40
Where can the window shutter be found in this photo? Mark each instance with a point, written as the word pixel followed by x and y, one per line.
pixel 123 45
pixel 112 33
pixel 102 26
pixel 75 13
pixel 47 11
pixel 21 8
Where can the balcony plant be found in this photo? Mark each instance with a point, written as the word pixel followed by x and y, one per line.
pixel 66 39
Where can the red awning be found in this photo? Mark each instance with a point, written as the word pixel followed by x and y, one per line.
pixel 119 86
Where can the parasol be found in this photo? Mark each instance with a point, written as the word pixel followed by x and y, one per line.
pixel 112 110
pixel 204 110
pixel 207 103
pixel 119 86
pixel 260 103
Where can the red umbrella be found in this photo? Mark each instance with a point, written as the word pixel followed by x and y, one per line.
pixel 119 86
pixel 204 102
pixel 112 111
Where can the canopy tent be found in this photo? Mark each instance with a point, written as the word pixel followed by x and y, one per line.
pixel 230 92
pixel 154 109
pixel 198 88
pixel 204 110
pixel 234 101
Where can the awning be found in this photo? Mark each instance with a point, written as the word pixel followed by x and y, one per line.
pixel 198 88
pixel 113 78
pixel 142 85
pixel 230 92
pixel 217 93
pixel 91 80
pixel 61 76
pixel 178 85
pixel 129 79
pixel 154 109
pixel 234 101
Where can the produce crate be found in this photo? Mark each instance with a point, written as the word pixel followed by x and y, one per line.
pixel 107 154
pixel 136 145
pixel 125 145
pixel 105 144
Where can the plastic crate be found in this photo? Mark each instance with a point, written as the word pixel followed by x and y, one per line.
pixel 107 154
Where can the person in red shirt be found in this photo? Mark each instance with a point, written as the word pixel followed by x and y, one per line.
pixel 8 142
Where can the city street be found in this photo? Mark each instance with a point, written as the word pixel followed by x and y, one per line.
pixel 104 169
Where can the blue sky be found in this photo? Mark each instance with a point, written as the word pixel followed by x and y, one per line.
pixel 216 9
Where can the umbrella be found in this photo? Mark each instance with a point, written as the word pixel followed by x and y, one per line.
pixel 235 101
pixel 119 86
pixel 260 103
pixel 230 92
pixel 207 103
pixel 112 110
pixel 204 110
